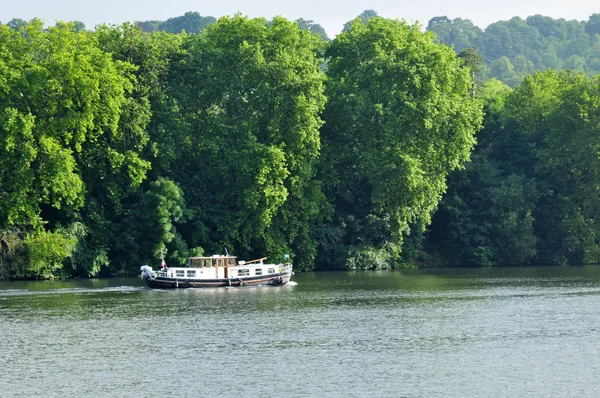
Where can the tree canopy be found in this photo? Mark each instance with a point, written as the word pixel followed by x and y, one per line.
pixel 378 149
pixel 398 119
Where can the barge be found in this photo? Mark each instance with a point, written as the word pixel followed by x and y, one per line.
pixel 217 271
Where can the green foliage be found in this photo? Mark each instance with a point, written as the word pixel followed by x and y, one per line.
pixel 67 139
pixel 61 97
pixel 398 120
pixel 485 218
pixel 119 146
pixel 567 144
pixel 46 252
pixel 530 196
pixel 363 18
pixel 516 48
pixel 312 27
pixel 16 23
pixel 148 229
pixel 461 33
pixel 249 94
pixel 190 22
pixel 13 254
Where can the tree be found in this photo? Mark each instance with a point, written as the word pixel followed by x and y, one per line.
pixel 460 33
pixel 592 26
pixel 78 26
pixel 250 94
pixel 313 27
pixel 190 22
pixel 16 23
pixel 485 218
pixel 472 60
pixel 364 17
pixel 398 120
pixel 61 131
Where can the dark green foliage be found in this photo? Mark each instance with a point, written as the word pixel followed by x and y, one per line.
pixel 16 23
pixel 363 18
pixel 530 195
pixel 190 22
pixel 485 218
pixel 312 27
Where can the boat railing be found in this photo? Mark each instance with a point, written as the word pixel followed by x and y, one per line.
pixel 258 261
pixel 286 266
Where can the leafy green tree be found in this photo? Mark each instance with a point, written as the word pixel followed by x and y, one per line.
pixel 191 22
pixel 46 253
pixel 16 23
pixel 460 33
pixel 313 27
pixel 364 17
pixel 548 27
pixel 398 120
pixel 250 94
pixel 148 228
pixel 473 60
pixel 504 70
pixel 78 26
pixel 63 136
pixel 537 43
pixel 592 26
pixel 530 194
pixel 485 219
pixel 148 26
pixel 150 124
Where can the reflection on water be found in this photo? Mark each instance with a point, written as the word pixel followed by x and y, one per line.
pixel 423 333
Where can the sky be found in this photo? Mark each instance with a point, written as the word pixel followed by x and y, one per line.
pixel 330 14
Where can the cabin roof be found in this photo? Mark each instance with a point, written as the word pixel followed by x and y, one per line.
pixel 211 257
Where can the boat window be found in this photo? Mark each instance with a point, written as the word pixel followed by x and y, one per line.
pixel 271 270
pixel 180 273
pixel 243 272
pixel 232 261
pixel 191 273
pixel 258 271
pixel 219 262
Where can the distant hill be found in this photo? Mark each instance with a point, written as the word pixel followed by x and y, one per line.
pixel 517 47
pixel 192 22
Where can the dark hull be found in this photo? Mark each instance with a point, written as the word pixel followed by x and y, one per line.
pixel 172 283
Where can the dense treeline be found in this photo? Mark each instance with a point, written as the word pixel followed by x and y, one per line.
pixel 530 195
pixel 519 47
pixel 118 145
pixel 260 137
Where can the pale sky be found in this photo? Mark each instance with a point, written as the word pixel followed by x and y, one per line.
pixel 330 14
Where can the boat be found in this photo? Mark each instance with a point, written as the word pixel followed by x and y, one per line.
pixel 217 271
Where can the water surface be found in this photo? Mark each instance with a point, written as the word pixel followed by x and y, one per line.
pixel 521 332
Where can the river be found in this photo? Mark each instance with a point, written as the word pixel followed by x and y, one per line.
pixel 517 332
